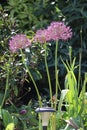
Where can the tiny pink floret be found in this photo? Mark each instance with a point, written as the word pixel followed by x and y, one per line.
pixel 19 41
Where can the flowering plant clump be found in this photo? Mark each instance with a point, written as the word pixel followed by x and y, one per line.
pixel 56 31
pixel 19 41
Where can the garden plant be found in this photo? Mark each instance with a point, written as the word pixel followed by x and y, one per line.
pixel 45 53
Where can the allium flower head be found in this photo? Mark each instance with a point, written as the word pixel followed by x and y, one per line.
pixel 59 31
pixel 19 41
pixel 42 36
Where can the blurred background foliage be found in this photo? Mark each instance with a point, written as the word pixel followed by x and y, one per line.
pixel 26 16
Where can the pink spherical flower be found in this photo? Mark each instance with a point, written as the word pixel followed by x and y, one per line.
pixel 19 41
pixel 42 36
pixel 59 31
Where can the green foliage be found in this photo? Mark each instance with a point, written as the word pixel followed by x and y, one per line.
pixel 7 27
pixel 31 14
pixel 18 121
pixel 7 118
pixel 76 15
pixel 75 103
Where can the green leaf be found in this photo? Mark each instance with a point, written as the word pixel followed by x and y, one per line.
pixel 63 95
pixel 10 126
pixel 7 118
pixel 16 90
pixel 64 64
pixel 36 74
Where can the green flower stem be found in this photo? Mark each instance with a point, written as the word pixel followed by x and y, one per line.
pixel 79 73
pixel 7 85
pixel 80 60
pixel 70 55
pixel 40 122
pixel 56 71
pixel 48 75
pixel 27 68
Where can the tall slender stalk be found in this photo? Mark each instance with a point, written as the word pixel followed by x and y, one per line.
pixel 80 59
pixel 79 73
pixel 28 70
pixel 56 71
pixel 48 75
pixel 70 55
pixel 53 120
pixel 40 122
pixel 7 84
